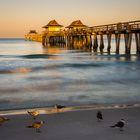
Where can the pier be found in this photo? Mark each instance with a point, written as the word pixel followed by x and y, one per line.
pixel 80 36
pixel 124 29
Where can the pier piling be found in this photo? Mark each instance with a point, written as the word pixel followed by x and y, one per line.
pixel 109 42
pixel 101 42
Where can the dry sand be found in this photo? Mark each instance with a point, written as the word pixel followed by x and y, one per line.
pixel 73 125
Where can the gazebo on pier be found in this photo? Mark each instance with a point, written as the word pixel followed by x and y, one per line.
pixel 53 26
pixel 76 25
pixel 53 33
pixel 77 35
pixel 31 35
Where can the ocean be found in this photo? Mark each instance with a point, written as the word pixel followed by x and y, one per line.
pixel 32 76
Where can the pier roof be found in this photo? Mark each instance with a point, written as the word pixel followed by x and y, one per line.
pixel 52 23
pixel 76 23
pixel 32 32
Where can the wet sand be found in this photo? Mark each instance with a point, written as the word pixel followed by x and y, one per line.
pixel 78 124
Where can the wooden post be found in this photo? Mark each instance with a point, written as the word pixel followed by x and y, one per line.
pixel 129 43
pixel 117 38
pixel 95 46
pixel 137 39
pixel 66 41
pixel 109 42
pixel 84 41
pixel 126 42
pixel 74 42
pixel 71 41
pixel 88 41
pixel 48 40
pixel 43 41
pixel 139 42
pixel 101 42
pixel 79 41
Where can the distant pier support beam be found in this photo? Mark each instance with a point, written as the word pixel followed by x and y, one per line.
pixel 128 42
pixel 47 41
pixel 95 43
pixel 101 42
pixel 89 41
pixel 109 42
pixel 137 38
pixel 43 41
pixel 117 38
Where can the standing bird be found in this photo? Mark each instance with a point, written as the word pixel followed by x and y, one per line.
pixel 99 116
pixel 3 119
pixel 33 114
pixel 120 124
pixel 36 126
pixel 58 107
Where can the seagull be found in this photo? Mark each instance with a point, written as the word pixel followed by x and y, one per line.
pixel 36 125
pixel 58 107
pixel 33 114
pixel 3 119
pixel 99 116
pixel 119 124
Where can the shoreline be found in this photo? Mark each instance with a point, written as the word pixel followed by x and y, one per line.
pixel 52 110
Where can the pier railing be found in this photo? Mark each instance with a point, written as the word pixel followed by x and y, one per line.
pixel 122 26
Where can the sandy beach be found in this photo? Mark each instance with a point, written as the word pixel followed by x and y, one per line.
pixel 73 125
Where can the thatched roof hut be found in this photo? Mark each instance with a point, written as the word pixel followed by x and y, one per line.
pixel 52 23
pixel 76 24
pixel 32 32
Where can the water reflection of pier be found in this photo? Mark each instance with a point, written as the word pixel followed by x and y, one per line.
pixel 79 36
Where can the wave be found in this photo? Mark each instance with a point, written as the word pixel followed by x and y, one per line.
pixel 50 109
pixel 36 56
pixel 50 66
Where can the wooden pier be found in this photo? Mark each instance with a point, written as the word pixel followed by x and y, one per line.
pixel 79 36
pixel 123 29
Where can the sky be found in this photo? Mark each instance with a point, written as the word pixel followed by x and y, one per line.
pixel 17 17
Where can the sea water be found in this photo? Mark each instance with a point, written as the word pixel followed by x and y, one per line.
pixel 33 76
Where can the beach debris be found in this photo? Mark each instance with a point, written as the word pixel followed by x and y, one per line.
pixel 99 116
pixel 36 126
pixel 120 124
pixel 33 114
pixel 3 119
pixel 58 107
